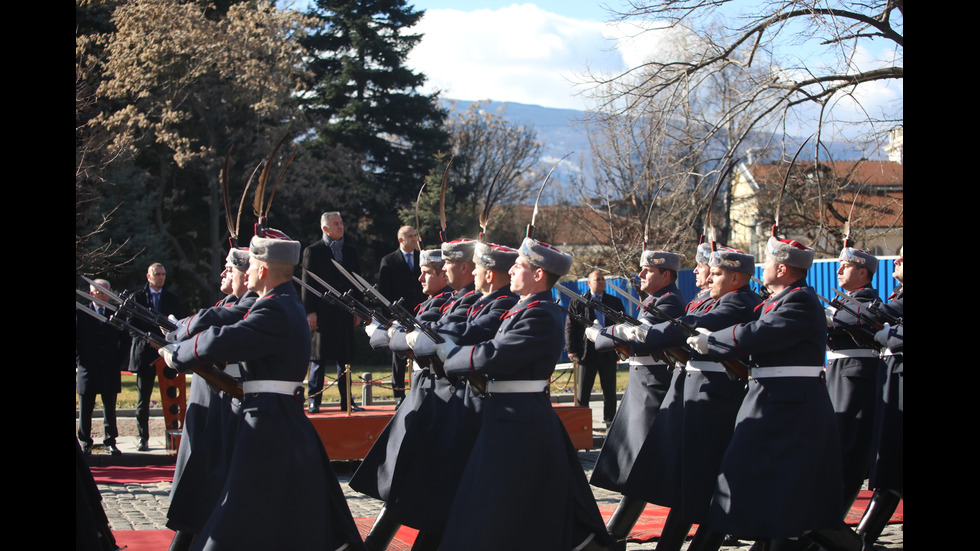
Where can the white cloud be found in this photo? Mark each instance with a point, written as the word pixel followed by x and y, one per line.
pixel 519 53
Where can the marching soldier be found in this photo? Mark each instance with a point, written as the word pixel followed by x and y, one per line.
pixel 650 378
pixel 212 416
pixel 685 447
pixel 852 368
pixel 280 491
pixel 780 475
pixel 888 470
pixel 400 437
pixel 523 486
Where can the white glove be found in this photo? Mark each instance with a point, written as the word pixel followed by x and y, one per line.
pixel 167 353
pixel 882 335
pixel 418 338
pixel 173 319
pixel 699 342
pixel 638 333
pixel 830 311
pixel 622 332
pixel 444 348
pixel 592 331
pixel 393 329
pixel 172 335
pixel 371 328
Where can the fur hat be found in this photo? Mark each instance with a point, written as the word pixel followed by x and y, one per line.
pixel 431 257
pixel 546 257
pixel 494 257
pixel 237 258
pixel 790 252
pixel 731 259
pixel 661 259
pixel 859 258
pixel 274 246
pixel 458 249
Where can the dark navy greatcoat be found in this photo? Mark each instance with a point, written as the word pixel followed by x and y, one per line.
pixel 851 385
pixel 888 470
pixel 280 491
pixel 523 486
pixel 209 428
pixel 377 471
pixel 692 429
pixel 645 391
pixel 424 496
pixel 781 473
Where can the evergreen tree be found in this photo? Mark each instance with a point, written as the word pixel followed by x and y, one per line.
pixel 366 99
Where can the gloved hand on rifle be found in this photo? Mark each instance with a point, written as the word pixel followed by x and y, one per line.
pixel 371 328
pixel 830 311
pixel 394 329
pixel 699 342
pixel 167 353
pixel 593 330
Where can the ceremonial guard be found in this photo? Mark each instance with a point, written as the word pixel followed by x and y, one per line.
pixel 650 378
pixel 684 450
pixel 280 491
pixel 780 475
pixel 887 477
pixel 523 486
pixel 852 368
pixel 400 437
pixel 211 418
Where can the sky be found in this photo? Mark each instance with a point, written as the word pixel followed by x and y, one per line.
pixel 540 53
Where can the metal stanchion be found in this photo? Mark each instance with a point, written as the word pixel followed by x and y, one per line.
pixel 367 388
pixel 575 376
pixel 350 405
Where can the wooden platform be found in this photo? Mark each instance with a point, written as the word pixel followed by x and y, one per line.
pixel 348 437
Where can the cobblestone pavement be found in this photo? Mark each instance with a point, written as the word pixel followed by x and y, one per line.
pixel 144 506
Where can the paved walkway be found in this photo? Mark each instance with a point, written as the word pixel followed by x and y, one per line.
pixel 144 506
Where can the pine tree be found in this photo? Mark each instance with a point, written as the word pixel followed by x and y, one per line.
pixel 366 99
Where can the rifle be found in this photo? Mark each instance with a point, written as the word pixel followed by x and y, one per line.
pixel 341 300
pixel 407 320
pixel 860 333
pixel 210 373
pixel 736 369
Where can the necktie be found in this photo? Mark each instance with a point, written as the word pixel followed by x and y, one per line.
pixel 408 260
pixel 598 315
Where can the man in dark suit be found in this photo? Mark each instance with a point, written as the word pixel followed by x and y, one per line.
pixel 141 354
pixel 398 278
pixel 100 352
pixel 582 349
pixel 332 327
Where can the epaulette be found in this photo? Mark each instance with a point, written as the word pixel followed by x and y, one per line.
pixel 510 313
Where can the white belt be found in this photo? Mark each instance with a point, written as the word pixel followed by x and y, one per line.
pixel 271 387
pixel 785 371
pixel 645 360
pixel 701 365
pixel 888 352
pixel 512 387
pixel 853 353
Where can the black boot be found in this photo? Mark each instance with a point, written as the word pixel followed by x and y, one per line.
pixel 624 518
pixel 182 541
pixel 883 504
pixel 382 532
pixel 706 540
pixel 674 532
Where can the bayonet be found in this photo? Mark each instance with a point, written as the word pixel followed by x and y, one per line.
pixel 534 213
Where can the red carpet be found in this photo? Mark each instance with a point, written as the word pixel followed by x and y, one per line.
pixel 648 528
pixel 133 475
pixel 651 523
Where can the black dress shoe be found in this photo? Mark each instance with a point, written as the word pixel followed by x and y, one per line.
pixel 312 407
pixel 112 449
pixel 143 446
